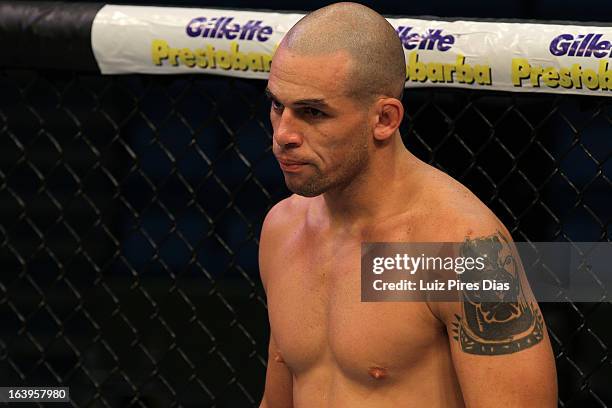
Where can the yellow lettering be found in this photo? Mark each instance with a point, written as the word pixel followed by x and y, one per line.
pixel 435 72
pixel 267 62
pixel 550 76
pixel 482 73
pixel 520 70
pixel 565 77
pixel 590 79
pixel 209 57
pixel 536 72
pixel 464 71
pixel 201 59
pixel 239 59
pixel 255 63
pixel 212 60
pixel 575 75
pixel 159 51
pixel 223 59
pixel 173 54
pixel 187 58
pixel 565 80
pixel 418 70
pixel 448 72
pixel 605 76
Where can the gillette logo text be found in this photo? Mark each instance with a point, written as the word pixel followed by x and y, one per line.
pixel 222 27
pixel 582 45
pixel 432 39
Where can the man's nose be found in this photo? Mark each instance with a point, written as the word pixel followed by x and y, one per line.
pixel 288 133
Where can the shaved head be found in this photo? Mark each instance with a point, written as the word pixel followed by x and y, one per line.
pixel 334 86
pixel 377 68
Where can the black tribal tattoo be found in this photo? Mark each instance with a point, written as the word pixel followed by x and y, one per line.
pixel 496 322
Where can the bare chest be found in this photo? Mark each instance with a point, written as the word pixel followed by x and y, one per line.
pixel 318 319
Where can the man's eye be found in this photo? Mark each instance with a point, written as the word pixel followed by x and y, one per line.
pixel 277 106
pixel 313 112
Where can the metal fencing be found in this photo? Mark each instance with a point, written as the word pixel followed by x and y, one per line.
pixel 131 208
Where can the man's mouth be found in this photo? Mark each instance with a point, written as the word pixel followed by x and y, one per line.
pixel 291 166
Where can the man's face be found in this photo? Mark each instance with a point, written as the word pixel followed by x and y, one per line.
pixel 321 134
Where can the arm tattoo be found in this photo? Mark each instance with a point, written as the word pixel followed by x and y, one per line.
pixel 496 322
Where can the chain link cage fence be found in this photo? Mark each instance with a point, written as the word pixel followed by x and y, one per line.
pixel 131 208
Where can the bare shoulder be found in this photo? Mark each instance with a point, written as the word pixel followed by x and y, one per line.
pixel 453 212
pixel 284 215
pixel 282 221
pixel 485 321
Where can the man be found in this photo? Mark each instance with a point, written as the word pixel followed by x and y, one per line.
pixel 335 88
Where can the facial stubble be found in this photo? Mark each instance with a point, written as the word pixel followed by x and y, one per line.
pixel 351 166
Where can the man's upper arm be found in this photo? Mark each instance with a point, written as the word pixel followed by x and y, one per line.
pixel 278 391
pixel 500 349
pixel 274 231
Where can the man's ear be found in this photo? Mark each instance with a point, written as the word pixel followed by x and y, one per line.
pixel 389 114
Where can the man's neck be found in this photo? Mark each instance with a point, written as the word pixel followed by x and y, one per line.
pixel 377 193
